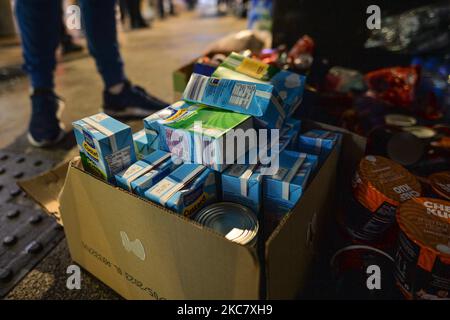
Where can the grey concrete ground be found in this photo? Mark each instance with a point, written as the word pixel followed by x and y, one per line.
pixel 150 56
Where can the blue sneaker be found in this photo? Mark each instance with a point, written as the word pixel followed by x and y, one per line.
pixel 45 129
pixel 132 102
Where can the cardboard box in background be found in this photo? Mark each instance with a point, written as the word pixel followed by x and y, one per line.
pixel 144 251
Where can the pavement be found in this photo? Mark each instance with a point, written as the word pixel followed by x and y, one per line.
pixel 150 55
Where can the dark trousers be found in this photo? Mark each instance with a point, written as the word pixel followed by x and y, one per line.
pixel 39 22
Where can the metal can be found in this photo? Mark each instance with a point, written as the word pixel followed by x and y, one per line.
pixel 235 222
pixel 351 267
pixel 379 186
pixel 397 144
pixel 399 120
pixel 422 258
pixel 440 184
pixel 421 132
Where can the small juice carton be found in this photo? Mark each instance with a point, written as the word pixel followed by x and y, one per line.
pixel 141 147
pixel 186 190
pixel 243 184
pixel 145 173
pixel 252 98
pixel 105 144
pixel 284 189
pixel 318 142
pixel 289 85
pixel 200 134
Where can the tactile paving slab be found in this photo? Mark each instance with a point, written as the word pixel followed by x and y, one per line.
pixel 27 234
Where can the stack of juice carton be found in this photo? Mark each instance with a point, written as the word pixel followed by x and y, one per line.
pixel 231 138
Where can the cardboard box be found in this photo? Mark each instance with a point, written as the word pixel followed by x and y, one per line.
pixel 144 251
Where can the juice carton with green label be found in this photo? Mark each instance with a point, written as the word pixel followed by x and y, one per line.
pixel 105 144
pixel 200 134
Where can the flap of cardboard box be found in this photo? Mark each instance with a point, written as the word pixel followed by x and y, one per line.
pixel 46 188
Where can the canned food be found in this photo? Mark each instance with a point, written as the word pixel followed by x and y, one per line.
pixel 397 144
pixel 422 259
pixel 399 120
pixel 421 132
pixel 235 222
pixel 440 184
pixel 379 186
pixel 352 265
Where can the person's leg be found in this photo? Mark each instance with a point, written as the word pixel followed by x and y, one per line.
pixel 100 24
pixel 172 8
pixel 161 8
pixel 137 21
pixel 120 98
pixel 39 24
pixel 123 10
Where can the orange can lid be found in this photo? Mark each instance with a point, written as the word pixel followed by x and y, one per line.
pixel 390 179
pixel 426 222
pixel 440 183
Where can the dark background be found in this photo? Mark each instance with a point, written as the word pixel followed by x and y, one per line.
pixel 338 29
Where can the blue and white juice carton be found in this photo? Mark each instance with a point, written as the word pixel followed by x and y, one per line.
pixel 286 186
pixel 185 190
pixel 105 144
pixel 319 142
pixel 243 184
pixel 252 98
pixel 283 190
pixel 290 132
pixel 141 147
pixel 200 134
pixel 145 173
pixel 289 85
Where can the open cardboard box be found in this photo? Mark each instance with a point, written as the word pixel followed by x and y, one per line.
pixel 143 251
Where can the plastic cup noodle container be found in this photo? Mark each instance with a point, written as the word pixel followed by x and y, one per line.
pixel 421 132
pixel 440 184
pixel 235 222
pixel 399 120
pixel 379 186
pixel 422 259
